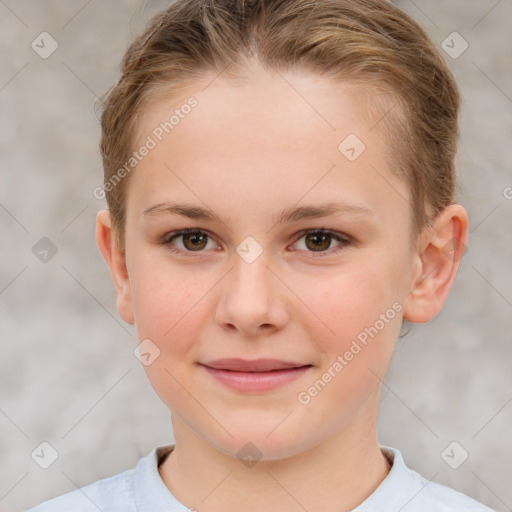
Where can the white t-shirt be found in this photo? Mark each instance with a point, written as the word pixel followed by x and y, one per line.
pixel 142 490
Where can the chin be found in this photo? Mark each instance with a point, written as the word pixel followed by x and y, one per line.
pixel 252 443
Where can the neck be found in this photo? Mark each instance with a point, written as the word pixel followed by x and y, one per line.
pixel 336 475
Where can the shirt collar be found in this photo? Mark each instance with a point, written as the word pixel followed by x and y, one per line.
pixel 150 493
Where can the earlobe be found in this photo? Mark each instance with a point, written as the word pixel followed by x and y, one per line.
pixel 115 258
pixel 441 247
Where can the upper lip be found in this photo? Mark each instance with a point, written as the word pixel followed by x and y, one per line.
pixel 254 365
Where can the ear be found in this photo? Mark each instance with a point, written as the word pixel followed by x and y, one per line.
pixel 115 258
pixel 440 250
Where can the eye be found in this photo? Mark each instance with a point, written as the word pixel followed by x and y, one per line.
pixel 319 241
pixel 316 241
pixel 191 240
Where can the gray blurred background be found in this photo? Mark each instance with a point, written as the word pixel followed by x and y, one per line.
pixel 69 377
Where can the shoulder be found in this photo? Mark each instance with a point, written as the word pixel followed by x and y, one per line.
pixel 112 494
pixel 129 491
pixel 434 496
pixel 406 490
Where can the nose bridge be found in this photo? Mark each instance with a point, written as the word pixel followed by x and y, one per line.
pixel 250 282
pixel 250 294
pixel 252 272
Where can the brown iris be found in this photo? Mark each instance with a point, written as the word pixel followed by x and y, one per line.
pixel 319 241
pixel 198 241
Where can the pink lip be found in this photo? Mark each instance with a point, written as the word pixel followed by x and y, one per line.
pixel 256 375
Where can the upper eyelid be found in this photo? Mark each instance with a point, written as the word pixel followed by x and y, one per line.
pixel 332 232
pixel 181 232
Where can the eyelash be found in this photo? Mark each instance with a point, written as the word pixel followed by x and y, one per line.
pixel 343 239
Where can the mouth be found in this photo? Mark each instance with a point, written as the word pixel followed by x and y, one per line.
pixel 257 375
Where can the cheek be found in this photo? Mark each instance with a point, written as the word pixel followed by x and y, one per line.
pixel 361 309
pixel 167 304
pixel 358 313
pixel 347 301
pixel 169 311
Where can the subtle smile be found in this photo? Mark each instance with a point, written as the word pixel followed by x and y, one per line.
pixel 255 376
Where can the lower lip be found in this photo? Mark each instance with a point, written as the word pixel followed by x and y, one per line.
pixel 256 381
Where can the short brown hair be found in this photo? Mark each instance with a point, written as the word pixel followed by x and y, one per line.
pixel 368 43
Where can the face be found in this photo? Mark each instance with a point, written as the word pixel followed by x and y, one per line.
pixel 275 315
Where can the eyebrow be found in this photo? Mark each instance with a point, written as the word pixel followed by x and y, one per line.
pixel 292 214
pixel 313 212
pixel 183 209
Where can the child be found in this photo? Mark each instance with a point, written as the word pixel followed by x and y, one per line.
pixel 280 182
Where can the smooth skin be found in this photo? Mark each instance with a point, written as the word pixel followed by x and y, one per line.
pixel 248 151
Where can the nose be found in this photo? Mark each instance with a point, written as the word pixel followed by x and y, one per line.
pixel 253 301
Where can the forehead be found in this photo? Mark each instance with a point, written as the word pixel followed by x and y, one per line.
pixel 272 103
pixel 291 133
